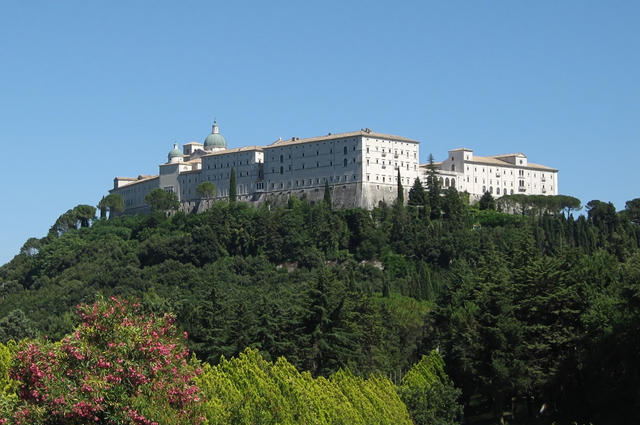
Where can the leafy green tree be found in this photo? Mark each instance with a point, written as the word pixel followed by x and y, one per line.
pixel 206 189
pixel 79 216
pixel 162 200
pixel 567 203
pixel 113 203
pixel 429 393
pixel 16 326
pixel 85 214
pixel 632 208
pixel 487 202
pixel 233 185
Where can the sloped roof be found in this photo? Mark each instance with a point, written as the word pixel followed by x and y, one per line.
pixel 296 141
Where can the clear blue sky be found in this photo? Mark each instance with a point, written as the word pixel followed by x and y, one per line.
pixel 91 90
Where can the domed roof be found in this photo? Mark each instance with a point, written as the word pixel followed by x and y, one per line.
pixel 215 139
pixel 175 152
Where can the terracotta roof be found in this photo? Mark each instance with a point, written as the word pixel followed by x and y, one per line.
pixel 134 182
pixel 542 167
pixel 296 141
pixel 509 155
pixel 492 160
pixel 235 150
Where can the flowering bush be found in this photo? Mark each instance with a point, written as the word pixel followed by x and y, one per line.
pixel 118 367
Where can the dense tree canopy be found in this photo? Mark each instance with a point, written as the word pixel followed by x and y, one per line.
pixel 527 308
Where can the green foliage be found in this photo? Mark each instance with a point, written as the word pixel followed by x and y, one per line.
pixel 79 216
pixel 327 194
pixel 162 200
pixel 113 203
pixel 538 204
pixel 632 209
pixel 233 189
pixel 15 326
pixel 537 306
pixel 429 393
pixel 487 202
pixel 417 195
pixel 400 195
pixel 206 189
pixel 433 189
pixel 251 390
pixel 8 386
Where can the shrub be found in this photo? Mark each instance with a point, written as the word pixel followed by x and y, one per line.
pixel 118 367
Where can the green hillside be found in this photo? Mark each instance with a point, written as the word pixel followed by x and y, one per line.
pixel 525 309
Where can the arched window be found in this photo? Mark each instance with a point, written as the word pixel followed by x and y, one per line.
pixel 441 181
pixel 453 167
pixel 345 150
pixel 345 160
pixel 497 191
pixel 512 191
pixel 446 182
pixel 281 158
pixel 491 189
pixel 453 182
pixel 484 189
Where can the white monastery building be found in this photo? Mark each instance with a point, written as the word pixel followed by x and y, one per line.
pixel 499 174
pixel 360 167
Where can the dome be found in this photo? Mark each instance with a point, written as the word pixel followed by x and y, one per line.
pixel 175 152
pixel 215 139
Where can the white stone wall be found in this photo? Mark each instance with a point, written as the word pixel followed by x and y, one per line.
pixel 216 168
pixel 133 194
pixel 294 166
pixel 476 176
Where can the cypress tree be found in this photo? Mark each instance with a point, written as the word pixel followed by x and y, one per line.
pixel 400 199
pixel 433 188
pixel 327 193
pixel 232 185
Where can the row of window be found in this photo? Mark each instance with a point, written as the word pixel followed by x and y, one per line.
pixel 388 162
pixel 395 152
pixel 390 179
pixel 309 182
pixel 500 171
pixel 345 163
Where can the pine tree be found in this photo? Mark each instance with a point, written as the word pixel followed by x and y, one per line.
pixel 417 195
pixel 400 198
pixel 232 186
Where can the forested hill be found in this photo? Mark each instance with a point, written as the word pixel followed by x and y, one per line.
pixel 526 309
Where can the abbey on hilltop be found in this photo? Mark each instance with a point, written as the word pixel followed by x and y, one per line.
pixel 361 168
